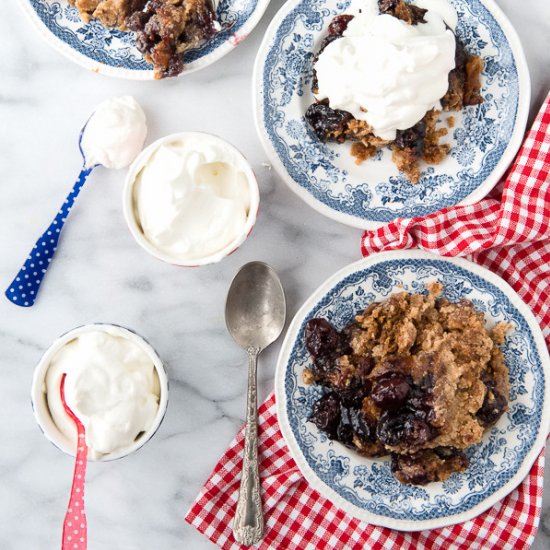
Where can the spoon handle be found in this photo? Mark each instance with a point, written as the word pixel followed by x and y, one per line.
pixel 24 288
pixel 248 525
pixel 75 525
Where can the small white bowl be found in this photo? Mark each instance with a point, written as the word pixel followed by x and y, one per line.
pixel 40 403
pixel 133 222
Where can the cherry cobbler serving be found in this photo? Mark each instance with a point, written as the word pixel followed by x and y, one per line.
pixel 164 29
pixel 416 377
pixel 383 75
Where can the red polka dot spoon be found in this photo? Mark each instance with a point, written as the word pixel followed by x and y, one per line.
pixel 75 526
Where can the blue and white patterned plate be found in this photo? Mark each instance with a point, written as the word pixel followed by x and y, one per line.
pixel 113 53
pixel 484 139
pixel 366 487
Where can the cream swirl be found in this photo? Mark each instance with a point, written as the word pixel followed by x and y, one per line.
pixel 192 198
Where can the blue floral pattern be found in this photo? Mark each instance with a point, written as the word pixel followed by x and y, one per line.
pixel 116 49
pixel 399 190
pixel 369 484
pixel 375 192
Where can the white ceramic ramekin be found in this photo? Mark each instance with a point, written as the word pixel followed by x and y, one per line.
pixel 133 222
pixel 40 402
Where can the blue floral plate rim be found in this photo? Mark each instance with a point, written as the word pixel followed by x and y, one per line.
pixel 323 202
pixel 292 336
pixel 138 69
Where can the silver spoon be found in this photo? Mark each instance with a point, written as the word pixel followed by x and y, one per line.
pixel 255 313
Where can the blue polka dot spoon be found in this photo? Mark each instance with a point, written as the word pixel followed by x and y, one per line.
pixel 24 288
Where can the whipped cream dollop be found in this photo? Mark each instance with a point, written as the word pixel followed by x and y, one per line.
pixel 387 72
pixel 115 133
pixel 111 386
pixel 191 198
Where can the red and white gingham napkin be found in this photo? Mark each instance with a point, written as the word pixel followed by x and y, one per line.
pixel 509 233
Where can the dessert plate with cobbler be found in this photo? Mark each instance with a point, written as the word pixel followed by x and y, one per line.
pixel 372 110
pixel 413 390
pixel 144 39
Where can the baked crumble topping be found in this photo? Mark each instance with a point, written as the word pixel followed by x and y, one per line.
pixel 111 13
pixel 164 29
pixel 415 377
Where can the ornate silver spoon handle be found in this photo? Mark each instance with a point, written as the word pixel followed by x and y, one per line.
pixel 248 525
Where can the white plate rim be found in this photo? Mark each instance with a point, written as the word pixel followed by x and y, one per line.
pixel 120 72
pixel 508 156
pixel 333 496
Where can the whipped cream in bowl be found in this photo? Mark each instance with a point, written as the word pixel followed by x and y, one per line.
pixel 115 384
pixel 190 199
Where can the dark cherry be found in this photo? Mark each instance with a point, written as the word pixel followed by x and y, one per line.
pixel 353 397
pixel 149 22
pixel 204 21
pixel 175 66
pixel 461 55
pixel 363 429
pixel 340 421
pixel 144 43
pixel 391 428
pixel 344 434
pixel 391 393
pixel 325 120
pixel 403 429
pixel 353 423
pixel 136 5
pixel 409 469
pixel 494 405
pixel 339 24
pixel 417 14
pixel 387 6
pixel 323 366
pixel 137 21
pixel 447 453
pixel 422 404
pixel 412 137
pixel 322 339
pixel 364 366
pixel 326 414
pixel 415 469
pixel 391 7
pixel 344 345
pixel 420 432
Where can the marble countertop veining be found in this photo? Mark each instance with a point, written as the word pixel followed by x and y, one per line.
pixel 100 274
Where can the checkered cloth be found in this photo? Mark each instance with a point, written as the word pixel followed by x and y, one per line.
pixel 508 232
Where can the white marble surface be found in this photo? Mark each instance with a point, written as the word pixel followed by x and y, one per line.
pixel 100 274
